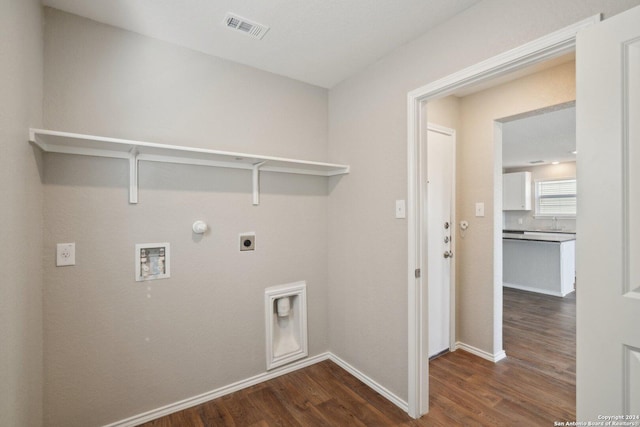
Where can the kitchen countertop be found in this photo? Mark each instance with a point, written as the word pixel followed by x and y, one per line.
pixel 539 231
pixel 552 237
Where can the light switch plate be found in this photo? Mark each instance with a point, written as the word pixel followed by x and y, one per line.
pixel 65 254
pixel 401 209
pixel 480 209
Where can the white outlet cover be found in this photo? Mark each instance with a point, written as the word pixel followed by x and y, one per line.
pixel 65 254
pixel 480 209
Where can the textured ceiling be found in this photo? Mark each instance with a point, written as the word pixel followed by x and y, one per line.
pixel 321 42
pixel 549 137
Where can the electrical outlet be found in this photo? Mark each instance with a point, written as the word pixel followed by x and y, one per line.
pixel 65 254
pixel 247 242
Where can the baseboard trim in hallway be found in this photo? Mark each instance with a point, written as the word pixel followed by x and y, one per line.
pixel 384 392
pixel 496 357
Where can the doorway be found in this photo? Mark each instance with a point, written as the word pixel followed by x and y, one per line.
pixel 539 208
pixel 498 67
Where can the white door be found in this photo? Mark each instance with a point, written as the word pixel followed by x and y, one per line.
pixel 608 257
pixel 439 198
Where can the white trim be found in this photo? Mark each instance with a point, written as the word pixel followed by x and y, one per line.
pixel 440 129
pixel 384 392
pixel 537 290
pixel 498 297
pixel 219 392
pixel 257 379
pixel 547 47
pixel 418 372
pixel 481 353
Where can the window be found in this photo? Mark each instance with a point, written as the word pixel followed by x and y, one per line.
pixel 556 198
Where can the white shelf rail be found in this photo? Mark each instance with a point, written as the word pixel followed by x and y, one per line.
pixel 134 151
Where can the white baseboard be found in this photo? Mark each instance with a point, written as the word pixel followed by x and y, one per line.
pixel 481 353
pixel 266 376
pixel 537 290
pixel 384 392
pixel 219 392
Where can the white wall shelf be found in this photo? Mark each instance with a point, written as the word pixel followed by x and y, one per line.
pixel 134 151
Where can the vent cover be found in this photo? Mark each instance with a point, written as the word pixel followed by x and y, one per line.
pixel 535 162
pixel 246 26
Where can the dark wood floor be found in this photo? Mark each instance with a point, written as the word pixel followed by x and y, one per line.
pixel 534 386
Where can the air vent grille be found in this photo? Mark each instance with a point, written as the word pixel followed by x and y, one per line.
pixel 535 162
pixel 246 26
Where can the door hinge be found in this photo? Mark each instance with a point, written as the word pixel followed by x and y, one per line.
pixel 418 273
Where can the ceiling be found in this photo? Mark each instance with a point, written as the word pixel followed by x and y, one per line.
pixel 321 42
pixel 550 136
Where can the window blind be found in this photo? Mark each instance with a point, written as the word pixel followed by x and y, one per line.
pixel 556 197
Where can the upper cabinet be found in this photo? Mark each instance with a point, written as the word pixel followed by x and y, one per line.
pixel 516 191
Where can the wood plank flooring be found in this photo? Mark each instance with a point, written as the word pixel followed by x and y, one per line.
pixel 534 386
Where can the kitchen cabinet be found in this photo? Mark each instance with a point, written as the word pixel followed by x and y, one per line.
pixel 539 262
pixel 516 191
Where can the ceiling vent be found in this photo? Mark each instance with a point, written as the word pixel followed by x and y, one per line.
pixel 246 26
pixel 536 162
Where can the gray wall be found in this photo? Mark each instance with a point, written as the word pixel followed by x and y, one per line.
pixel 115 347
pixel 20 214
pixel 367 129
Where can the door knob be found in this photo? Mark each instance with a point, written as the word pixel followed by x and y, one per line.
pixel 448 254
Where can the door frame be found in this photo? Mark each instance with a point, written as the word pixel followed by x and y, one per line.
pixel 552 45
pixel 422 170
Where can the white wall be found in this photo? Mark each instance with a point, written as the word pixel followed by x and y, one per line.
pixel 115 347
pixel 529 222
pixel 20 214
pixel 367 129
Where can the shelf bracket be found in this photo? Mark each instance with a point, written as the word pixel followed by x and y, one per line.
pixel 256 182
pixel 133 176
